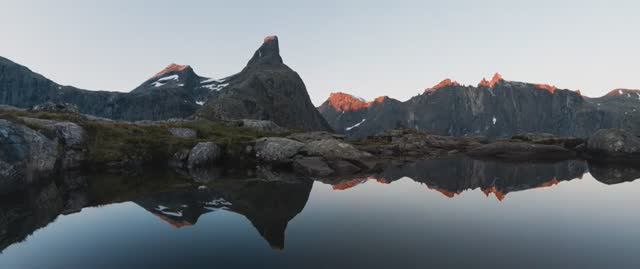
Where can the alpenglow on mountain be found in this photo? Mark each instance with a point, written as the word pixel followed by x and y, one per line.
pixel 266 89
pixel 495 108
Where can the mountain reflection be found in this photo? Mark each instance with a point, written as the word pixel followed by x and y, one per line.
pixel 451 177
pixel 269 199
pixel 268 203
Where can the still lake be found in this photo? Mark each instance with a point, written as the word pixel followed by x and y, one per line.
pixel 456 213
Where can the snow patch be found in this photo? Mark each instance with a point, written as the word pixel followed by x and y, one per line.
pixel 494 120
pixel 209 80
pixel 355 126
pixel 199 103
pixel 216 87
pixel 164 80
pixel 174 214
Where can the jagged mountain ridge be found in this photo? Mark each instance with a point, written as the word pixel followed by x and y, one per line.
pixel 266 89
pixel 494 108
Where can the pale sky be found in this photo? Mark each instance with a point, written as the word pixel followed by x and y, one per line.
pixel 394 48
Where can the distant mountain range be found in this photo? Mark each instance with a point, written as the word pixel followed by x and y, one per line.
pixel 266 89
pixel 494 108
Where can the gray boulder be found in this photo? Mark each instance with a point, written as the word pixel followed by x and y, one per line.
pixel 334 149
pixel 183 132
pixel 613 144
pixel 312 166
pixel 276 149
pixel 70 135
pixel 342 167
pixel 204 153
pixel 25 156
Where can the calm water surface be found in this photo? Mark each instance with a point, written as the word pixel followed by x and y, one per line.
pixel 446 213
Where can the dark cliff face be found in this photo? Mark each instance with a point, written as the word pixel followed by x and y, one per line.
pixel 266 89
pixel 496 108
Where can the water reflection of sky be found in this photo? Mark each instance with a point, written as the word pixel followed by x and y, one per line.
pixel 404 224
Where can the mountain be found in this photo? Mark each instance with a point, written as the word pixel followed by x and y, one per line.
pixel 494 108
pixel 266 89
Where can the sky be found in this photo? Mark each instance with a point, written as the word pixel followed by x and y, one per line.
pixel 367 48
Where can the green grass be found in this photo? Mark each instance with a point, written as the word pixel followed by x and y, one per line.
pixel 113 142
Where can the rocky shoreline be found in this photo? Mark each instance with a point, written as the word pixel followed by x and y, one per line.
pixel 47 140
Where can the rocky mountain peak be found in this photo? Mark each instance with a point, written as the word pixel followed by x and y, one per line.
pixel 173 68
pixel 497 78
pixel 443 84
pixel 341 101
pixel 268 53
pixel 551 89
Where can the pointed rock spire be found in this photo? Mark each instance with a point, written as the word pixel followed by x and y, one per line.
pixel 268 53
pixel 497 78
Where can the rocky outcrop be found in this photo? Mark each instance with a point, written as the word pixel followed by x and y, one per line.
pixel 266 89
pixel 614 145
pixel 25 156
pixel 334 149
pixel 312 166
pixel 276 149
pixel 495 108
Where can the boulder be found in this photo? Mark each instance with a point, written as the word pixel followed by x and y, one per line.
pixel 613 145
pixel 334 149
pixel 204 153
pixel 25 155
pixel 70 135
pixel 521 151
pixel 312 166
pixel 342 167
pixel 183 132
pixel 276 149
